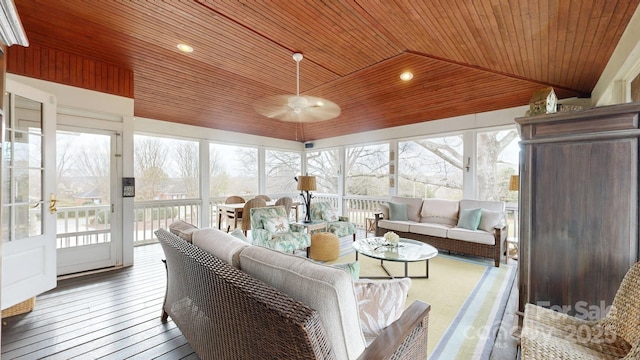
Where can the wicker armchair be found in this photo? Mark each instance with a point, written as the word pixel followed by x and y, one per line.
pixel 338 225
pixel 263 197
pixel 287 203
pixel 547 334
pixel 230 214
pixel 245 221
pixel 285 237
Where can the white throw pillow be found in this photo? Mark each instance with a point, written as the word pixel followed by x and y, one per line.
pixel 182 229
pixel 276 225
pixel 380 302
pixel 220 244
pixel 489 219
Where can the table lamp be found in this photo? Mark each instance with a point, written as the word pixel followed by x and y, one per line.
pixel 514 182
pixel 305 185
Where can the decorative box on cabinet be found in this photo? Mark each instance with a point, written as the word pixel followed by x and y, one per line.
pixel 578 207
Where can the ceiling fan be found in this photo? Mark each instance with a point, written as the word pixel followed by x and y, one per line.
pixel 296 108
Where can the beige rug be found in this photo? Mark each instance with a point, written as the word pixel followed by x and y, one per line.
pixel 465 298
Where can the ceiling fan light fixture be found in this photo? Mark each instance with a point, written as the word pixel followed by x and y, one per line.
pixel 298 102
pixel 297 108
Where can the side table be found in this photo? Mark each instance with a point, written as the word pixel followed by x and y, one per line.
pixel 369 226
pixel 511 249
pixel 313 226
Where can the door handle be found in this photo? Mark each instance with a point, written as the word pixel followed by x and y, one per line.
pixel 52 204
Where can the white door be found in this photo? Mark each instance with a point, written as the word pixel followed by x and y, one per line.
pixel 28 205
pixel 86 177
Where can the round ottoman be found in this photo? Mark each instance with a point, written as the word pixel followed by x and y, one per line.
pixel 325 246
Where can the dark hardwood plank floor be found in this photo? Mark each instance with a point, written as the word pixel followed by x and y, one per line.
pixel 109 315
pixel 116 315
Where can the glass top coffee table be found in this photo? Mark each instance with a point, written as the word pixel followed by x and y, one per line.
pixel 406 251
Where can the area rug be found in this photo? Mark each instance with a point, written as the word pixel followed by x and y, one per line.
pixel 467 297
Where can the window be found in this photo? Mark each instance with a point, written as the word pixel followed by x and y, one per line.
pixel 233 170
pixel 368 170
pixel 166 168
pixel 325 165
pixel 431 168
pixel 498 155
pixel 280 168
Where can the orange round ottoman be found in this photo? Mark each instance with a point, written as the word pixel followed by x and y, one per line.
pixel 325 246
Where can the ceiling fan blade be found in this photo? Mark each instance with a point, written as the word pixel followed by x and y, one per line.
pixel 319 110
pixel 273 106
pixel 280 107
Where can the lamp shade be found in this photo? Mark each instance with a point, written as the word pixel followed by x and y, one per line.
pixel 307 183
pixel 514 183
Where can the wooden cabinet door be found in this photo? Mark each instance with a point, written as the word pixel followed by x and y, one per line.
pixel 583 230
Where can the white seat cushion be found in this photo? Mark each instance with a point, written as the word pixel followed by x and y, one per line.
pixel 396 225
pixel 439 230
pixel 476 236
pixel 220 244
pixel 326 289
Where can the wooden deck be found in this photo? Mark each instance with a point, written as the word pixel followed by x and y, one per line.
pixel 110 315
pixel 116 315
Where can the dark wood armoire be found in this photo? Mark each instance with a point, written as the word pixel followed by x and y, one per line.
pixel 578 207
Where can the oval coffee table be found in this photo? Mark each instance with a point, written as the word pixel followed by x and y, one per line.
pixel 407 251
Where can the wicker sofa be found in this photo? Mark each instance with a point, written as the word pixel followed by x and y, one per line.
pixel 434 221
pixel 227 308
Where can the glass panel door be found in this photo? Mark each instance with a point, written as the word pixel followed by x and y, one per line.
pixel 28 199
pixel 85 208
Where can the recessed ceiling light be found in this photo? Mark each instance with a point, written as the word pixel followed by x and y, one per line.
pixel 185 48
pixel 406 76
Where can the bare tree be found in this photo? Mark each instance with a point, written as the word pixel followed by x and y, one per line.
pixel 186 154
pixel 325 165
pixel 488 171
pixel 281 167
pixel 367 170
pixel 149 157
pixel 237 171
pixel 429 166
pixel 65 165
pixel 95 165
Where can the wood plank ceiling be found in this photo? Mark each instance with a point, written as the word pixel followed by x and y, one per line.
pixel 466 56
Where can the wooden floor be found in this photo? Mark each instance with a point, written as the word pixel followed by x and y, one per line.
pixel 111 315
pixel 114 315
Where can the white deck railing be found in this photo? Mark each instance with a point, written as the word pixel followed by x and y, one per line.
pixel 82 225
pixel 153 215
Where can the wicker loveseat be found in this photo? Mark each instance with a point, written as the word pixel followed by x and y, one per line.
pixel 228 313
pixel 434 221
